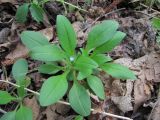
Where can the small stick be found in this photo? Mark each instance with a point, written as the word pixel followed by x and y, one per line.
pixel 2 111
pixel 117 10
pixel 66 103
pixel 150 8
pixel 151 16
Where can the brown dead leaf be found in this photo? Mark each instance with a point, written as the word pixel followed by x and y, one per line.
pixel 147 70
pixel 32 103
pixel 48 32
pixel 51 113
pixel 62 109
pixel 19 52
pixel 124 102
pixel 141 93
pixel 80 34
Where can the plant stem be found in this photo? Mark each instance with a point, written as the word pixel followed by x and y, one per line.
pixel 75 6
pixel 111 115
pixel 63 2
pixel 65 8
pixel 66 103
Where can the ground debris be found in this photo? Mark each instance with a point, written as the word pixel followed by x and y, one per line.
pixel 32 103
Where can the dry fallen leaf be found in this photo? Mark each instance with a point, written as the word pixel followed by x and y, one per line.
pixel 19 52
pixel 48 32
pixel 32 103
pixel 51 113
pixel 124 103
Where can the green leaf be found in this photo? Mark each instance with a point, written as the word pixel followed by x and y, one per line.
pixel 118 71
pixel 84 62
pixel 53 89
pixel 36 12
pixel 19 71
pixel 156 23
pixel 110 44
pixel 96 85
pixel 85 65
pixel 22 12
pixel 84 74
pixel 49 68
pixel 78 117
pixel 80 100
pixel 21 91
pixel 101 58
pixel 9 116
pixel 66 34
pixel 101 33
pixel 24 113
pixel 47 53
pixel 33 39
pixel 5 97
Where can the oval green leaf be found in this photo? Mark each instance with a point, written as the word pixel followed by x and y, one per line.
pixel 84 62
pixel 96 85
pixel 9 116
pixel 47 53
pixel 5 97
pixel 85 65
pixel 101 33
pixel 22 12
pixel 66 34
pixel 80 100
pixel 101 58
pixel 19 71
pixel 53 89
pixel 36 12
pixel 110 44
pixel 118 71
pixel 49 68
pixel 24 113
pixel 33 39
pixel 84 74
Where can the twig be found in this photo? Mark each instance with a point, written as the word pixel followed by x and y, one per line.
pixel 75 6
pixel 111 115
pixel 101 17
pixel 151 16
pixel 3 111
pixel 66 103
pixel 63 2
pixel 151 4
pixel 150 9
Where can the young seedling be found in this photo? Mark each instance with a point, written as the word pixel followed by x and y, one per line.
pixel 80 68
pixel 19 71
pixel 36 10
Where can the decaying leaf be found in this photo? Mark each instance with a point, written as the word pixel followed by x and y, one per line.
pixel 19 52
pixel 32 103
pixel 124 103
pixel 56 112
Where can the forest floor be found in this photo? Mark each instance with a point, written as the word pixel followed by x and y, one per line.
pixel 138 99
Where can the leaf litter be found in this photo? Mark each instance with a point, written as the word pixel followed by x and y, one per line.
pixel 137 52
